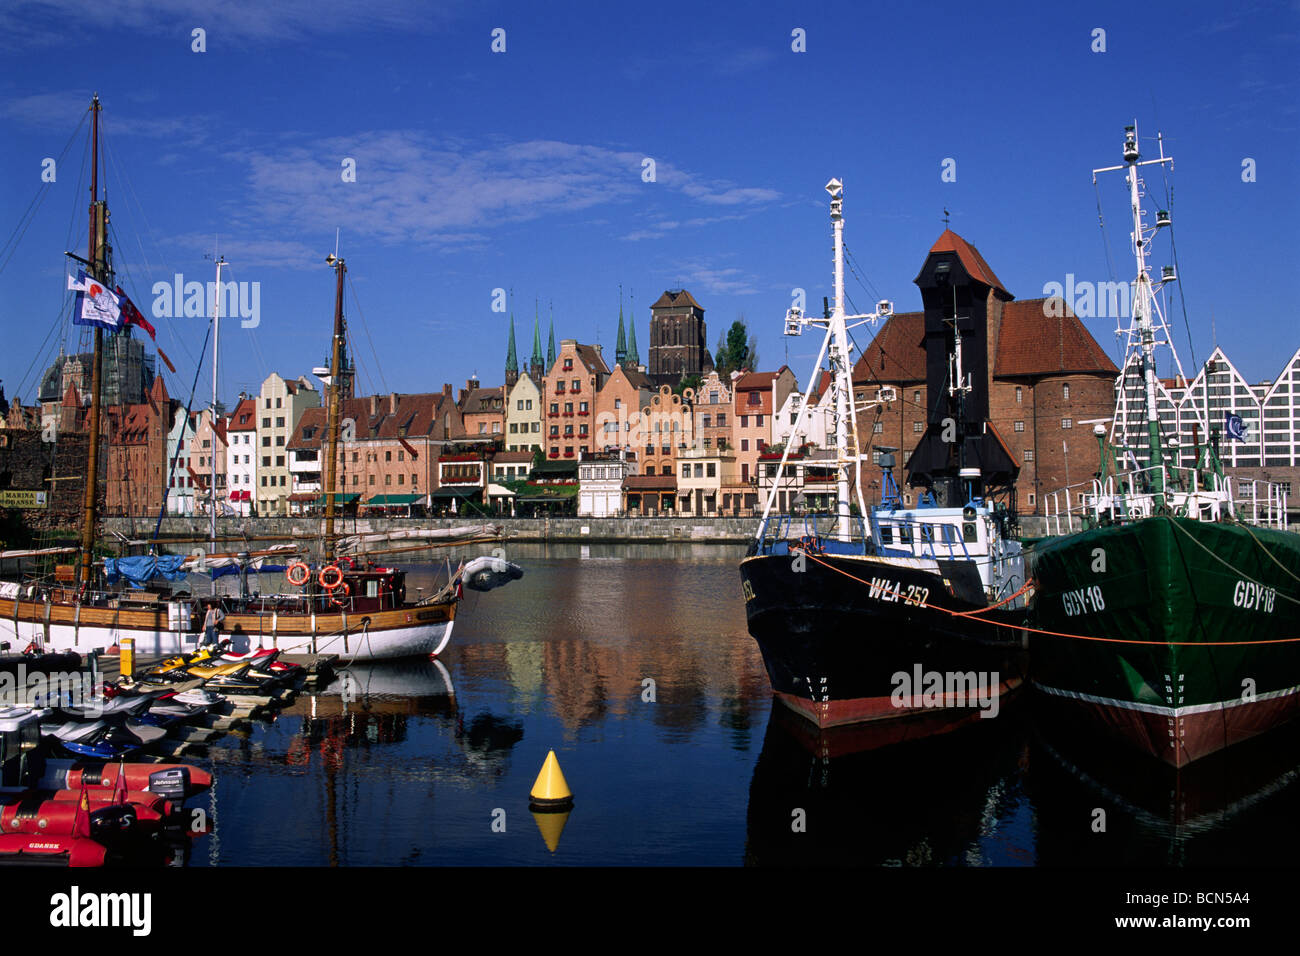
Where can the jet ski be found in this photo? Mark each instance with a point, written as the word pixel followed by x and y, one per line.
pixel 105 740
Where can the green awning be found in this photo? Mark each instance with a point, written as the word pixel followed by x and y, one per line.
pixel 339 499
pixel 459 491
pixel 394 500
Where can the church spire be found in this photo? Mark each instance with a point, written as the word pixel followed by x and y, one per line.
pixel 535 365
pixel 512 360
pixel 633 357
pixel 620 347
pixel 550 349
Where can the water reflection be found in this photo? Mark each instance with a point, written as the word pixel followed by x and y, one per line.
pixel 956 799
pixel 636 666
pixel 1102 804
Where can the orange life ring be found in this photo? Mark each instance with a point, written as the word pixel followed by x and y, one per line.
pixel 328 574
pixel 351 563
pixel 296 579
pixel 339 596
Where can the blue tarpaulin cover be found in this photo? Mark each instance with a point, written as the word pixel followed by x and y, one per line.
pixel 138 570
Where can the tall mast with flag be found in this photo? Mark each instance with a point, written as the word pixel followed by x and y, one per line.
pixel 100 275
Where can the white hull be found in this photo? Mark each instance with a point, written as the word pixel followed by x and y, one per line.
pixel 423 640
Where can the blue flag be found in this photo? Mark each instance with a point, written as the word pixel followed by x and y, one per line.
pixel 1235 427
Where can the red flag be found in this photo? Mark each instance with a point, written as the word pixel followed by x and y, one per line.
pixel 132 314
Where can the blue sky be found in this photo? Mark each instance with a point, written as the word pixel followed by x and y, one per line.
pixel 523 170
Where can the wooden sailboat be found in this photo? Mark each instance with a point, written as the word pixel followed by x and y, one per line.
pixel 349 607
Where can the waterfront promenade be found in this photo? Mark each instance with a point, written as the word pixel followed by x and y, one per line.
pixel 722 530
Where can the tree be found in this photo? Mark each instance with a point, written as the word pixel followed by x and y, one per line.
pixel 739 350
pixel 687 381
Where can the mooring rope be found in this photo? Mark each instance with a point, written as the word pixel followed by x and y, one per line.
pixel 1035 630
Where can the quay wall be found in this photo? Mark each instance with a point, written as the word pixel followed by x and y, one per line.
pixel 726 530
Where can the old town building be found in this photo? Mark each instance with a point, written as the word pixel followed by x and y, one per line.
pixel 280 405
pixel 570 389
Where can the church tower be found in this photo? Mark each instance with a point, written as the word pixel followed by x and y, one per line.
pixel 678 344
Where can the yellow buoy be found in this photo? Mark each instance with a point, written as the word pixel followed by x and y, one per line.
pixel 550 792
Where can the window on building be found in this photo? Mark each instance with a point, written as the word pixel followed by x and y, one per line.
pixel 1029 454
pixel 758 421
pixel 1067 423
pixel 266 423
pixel 279 461
pixel 279 441
pixel 744 444
pixel 755 398
pixel 712 468
pixel 722 419
pixel 277 402
pixel 388 479
pixel 686 471
pixel 372 479
pixel 279 421
pixel 266 462
pixel 1019 394
pixel 917 427
pixel 1065 391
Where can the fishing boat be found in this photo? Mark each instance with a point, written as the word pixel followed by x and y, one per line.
pixel 892 612
pixel 340 605
pixel 1165 609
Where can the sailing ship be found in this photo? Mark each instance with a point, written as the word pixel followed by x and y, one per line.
pixel 343 605
pixel 898 612
pixel 1165 611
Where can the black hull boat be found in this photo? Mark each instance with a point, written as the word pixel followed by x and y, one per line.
pixel 899 613
pixel 853 639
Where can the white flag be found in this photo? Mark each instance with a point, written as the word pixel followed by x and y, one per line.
pixel 96 304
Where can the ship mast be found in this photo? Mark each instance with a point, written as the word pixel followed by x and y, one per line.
pixel 835 345
pixel 332 436
pixel 212 424
pixel 98 256
pixel 1143 327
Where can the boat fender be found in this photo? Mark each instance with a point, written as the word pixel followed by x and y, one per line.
pixel 331 577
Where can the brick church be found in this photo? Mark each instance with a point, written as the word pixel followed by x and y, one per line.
pixel 678 339
pixel 1043 373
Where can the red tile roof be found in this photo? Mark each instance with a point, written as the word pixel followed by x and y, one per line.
pixel 1031 343
pixel 1035 343
pixel 970 258
pixel 752 380
pixel 244 417
pixel 897 353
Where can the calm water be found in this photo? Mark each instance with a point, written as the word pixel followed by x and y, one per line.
pixel 414 763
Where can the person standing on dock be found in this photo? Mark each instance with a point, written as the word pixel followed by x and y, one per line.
pixel 212 622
